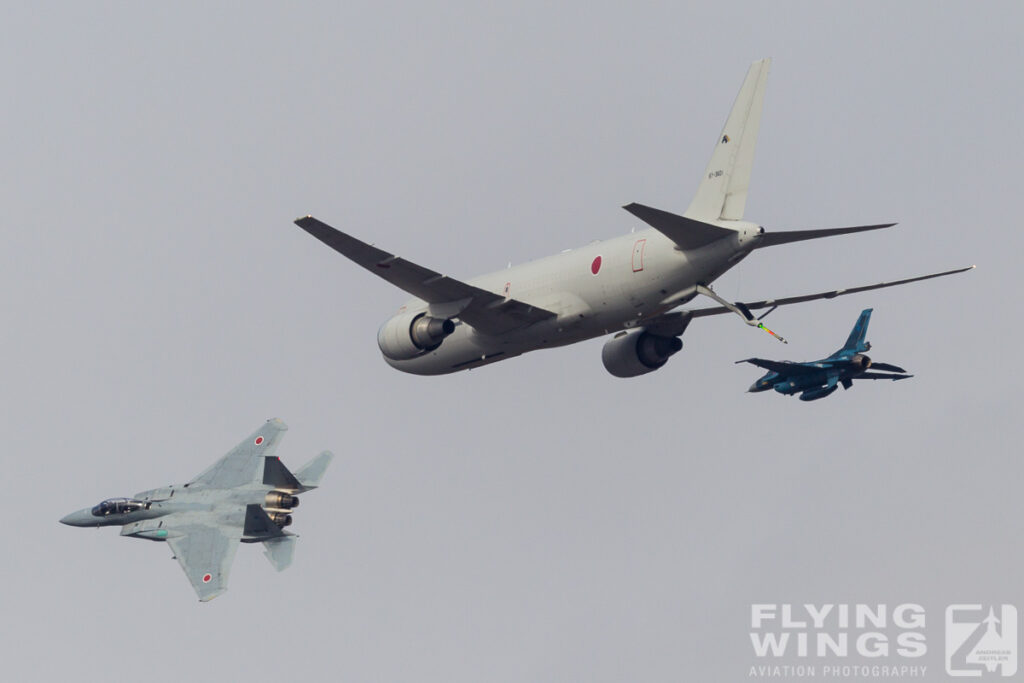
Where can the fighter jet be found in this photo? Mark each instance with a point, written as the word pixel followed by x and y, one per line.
pixel 247 496
pixel 626 286
pixel 817 379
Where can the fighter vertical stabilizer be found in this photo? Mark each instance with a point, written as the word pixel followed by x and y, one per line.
pixel 855 342
pixel 280 551
pixel 723 189
pixel 310 474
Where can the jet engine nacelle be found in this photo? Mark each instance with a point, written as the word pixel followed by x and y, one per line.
pixel 281 501
pixel 638 353
pixel 412 334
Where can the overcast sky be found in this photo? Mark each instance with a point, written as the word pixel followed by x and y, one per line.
pixel 535 520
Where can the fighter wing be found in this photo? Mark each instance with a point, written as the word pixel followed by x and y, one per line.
pixel 205 553
pixel 486 311
pixel 782 367
pixel 244 463
pixel 768 303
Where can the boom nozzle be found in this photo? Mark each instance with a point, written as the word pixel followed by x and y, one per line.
pixel 761 326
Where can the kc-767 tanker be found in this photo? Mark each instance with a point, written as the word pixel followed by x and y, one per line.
pixel 628 286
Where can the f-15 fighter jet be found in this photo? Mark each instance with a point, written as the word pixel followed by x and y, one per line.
pixel 247 496
pixel 817 379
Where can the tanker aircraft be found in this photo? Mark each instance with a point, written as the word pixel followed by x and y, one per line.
pixel 246 496
pixel 627 286
pixel 817 379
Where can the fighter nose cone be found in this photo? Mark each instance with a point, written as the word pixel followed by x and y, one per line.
pixel 78 518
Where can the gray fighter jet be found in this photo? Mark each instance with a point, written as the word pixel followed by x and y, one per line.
pixel 247 496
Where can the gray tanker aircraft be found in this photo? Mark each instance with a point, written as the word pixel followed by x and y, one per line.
pixel 628 285
pixel 247 496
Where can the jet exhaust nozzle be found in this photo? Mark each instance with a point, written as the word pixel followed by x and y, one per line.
pixel 861 362
pixel 427 332
pixel 281 501
pixel 409 335
pixel 280 519
pixel 637 353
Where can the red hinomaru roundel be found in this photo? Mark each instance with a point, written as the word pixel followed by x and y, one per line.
pixel 596 265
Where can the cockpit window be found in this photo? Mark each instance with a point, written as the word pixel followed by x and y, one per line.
pixel 117 506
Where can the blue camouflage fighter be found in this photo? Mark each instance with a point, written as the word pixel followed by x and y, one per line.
pixel 818 379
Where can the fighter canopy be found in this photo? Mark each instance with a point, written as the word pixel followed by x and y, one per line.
pixel 117 506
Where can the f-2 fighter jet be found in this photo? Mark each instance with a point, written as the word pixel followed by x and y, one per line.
pixel 817 379
pixel 247 496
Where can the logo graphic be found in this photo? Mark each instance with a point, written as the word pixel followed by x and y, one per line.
pixel 981 641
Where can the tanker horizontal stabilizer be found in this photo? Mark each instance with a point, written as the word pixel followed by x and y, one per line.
pixel 685 232
pixel 770 239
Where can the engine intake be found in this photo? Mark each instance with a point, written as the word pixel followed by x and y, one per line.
pixel 412 334
pixel 281 501
pixel 638 353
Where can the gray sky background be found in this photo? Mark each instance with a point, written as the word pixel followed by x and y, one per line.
pixel 537 520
